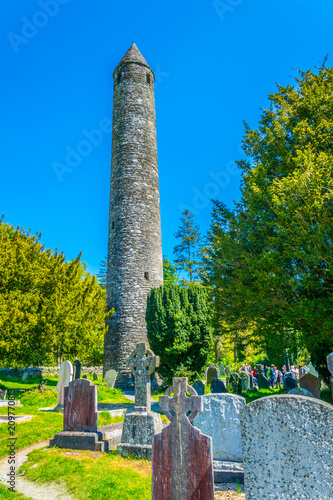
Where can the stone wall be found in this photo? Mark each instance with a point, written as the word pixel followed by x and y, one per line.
pixel 135 248
pixel 44 371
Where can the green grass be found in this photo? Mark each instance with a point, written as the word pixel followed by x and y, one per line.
pixel 91 476
pixel 5 494
pixel 252 396
pixel 104 418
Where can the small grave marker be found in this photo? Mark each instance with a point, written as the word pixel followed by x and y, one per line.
pixel 110 378
pixel 77 369
pixel 65 377
pixel 199 387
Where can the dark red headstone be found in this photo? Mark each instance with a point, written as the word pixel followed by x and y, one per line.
pixel 80 406
pixel 182 461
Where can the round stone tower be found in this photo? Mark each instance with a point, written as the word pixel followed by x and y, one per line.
pixel 135 248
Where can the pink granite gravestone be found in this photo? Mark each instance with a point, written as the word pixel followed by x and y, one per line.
pixel 80 406
pixel 182 462
pixel 311 384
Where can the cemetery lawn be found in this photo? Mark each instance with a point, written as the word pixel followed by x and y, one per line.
pixel 91 475
pixel 5 494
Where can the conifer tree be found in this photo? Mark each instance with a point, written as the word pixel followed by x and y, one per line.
pixel 187 251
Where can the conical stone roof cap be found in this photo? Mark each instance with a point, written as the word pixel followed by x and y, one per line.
pixel 133 55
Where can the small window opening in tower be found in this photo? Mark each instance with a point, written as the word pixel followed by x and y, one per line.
pixel 148 78
pixel 112 224
pixel 119 78
pixel 146 276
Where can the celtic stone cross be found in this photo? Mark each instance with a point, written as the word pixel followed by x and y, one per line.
pixel 142 363
pixel 180 404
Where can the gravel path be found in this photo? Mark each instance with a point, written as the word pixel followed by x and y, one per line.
pixel 27 488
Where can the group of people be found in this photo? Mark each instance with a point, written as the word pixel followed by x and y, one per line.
pixel 275 377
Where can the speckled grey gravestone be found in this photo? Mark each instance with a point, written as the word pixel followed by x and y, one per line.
pixel 212 372
pixel 182 466
pixel 245 380
pixel 141 425
pixel 199 387
pixel 65 377
pixel 235 381
pixel 110 378
pixel 293 458
pixel 217 386
pixel 220 419
pixel 298 391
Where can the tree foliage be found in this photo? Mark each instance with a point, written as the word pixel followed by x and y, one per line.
pixel 170 276
pixel 270 260
pixel 187 252
pixel 49 308
pixel 179 331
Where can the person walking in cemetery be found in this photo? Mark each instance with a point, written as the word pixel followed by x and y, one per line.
pixel 283 370
pixel 278 378
pixel 271 377
pixel 294 371
pixel 255 374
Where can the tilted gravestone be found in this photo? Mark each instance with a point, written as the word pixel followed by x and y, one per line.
pixel 182 464
pixel 65 377
pixel 298 391
pixel 77 369
pixel 110 378
pixel 220 419
pixel 262 381
pixel 212 372
pixel 291 459
pixel 199 387
pixel 217 386
pixel 245 380
pixel 289 382
pixel 80 419
pixel 141 425
pixel 311 384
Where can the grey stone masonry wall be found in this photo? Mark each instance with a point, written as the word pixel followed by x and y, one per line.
pixel 287 446
pixel 135 248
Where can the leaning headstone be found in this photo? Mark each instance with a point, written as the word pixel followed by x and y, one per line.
pixel 25 376
pixel 298 391
pixel 182 465
pixel 199 387
pixel 291 459
pixel 311 383
pixel 140 425
pixel 80 419
pixel 262 381
pixel 77 369
pixel 289 382
pixel 212 372
pixel 110 378
pixel 245 380
pixel 220 419
pixel 65 377
pixel 217 386
pixel 95 376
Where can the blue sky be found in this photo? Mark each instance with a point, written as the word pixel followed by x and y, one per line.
pixel 214 62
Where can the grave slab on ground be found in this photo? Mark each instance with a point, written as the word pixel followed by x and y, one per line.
pixel 141 424
pixel 182 465
pixel 291 459
pixel 80 419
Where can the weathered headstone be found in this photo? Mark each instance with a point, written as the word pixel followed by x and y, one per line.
pixel 25 376
pixel 217 386
pixel 262 381
pixel 293 464
pixel 220 419
pixel 289 382
pixel 235 381
pixel 199 387
pixel 141 425
pixel 251 386
pixel 182 465
pixel 212 372
pixel 95 376
pixel 77 369
pixel 222 370
pixel 311 383
pixel 65 377
pixel 80 419
pixel 110 378
pixel 298 391
pixel 245 380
